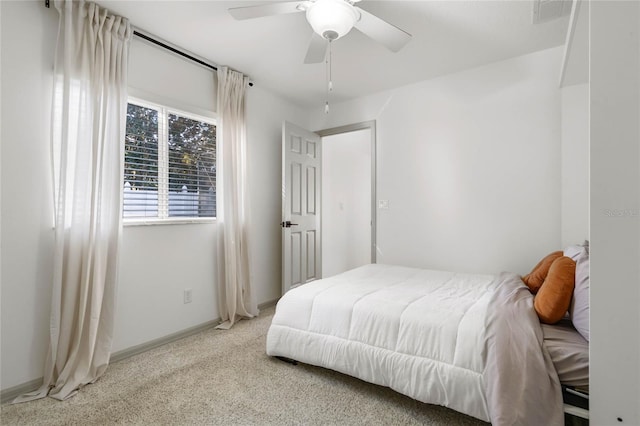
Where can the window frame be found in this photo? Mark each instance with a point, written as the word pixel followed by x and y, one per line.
pixel 163 167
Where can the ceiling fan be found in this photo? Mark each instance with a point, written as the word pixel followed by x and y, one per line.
pixel 330 20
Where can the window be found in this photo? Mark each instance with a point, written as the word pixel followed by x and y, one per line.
pixel 169 164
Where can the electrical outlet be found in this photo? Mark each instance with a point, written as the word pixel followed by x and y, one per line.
pixel 187 295
pixel 383 204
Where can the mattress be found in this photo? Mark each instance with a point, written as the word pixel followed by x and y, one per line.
pixel 445 338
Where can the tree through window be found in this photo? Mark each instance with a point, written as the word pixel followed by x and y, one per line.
pixel 192 167
pixel 169 164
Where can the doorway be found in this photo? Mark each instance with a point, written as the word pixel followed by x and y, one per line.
pixel 348 197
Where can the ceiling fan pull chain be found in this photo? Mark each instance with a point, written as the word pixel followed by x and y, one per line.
pixel 328 79
pixel 330 66
pixel 326 101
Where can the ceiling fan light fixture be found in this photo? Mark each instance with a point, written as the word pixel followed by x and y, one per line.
pixel 332 19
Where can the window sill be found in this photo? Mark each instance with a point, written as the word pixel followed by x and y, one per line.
pixel 172 221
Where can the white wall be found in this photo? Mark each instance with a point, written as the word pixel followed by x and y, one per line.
pixel 575 164
pixel 346 201
pixel 157 261
pixel 28 40
pixel 470 164
pixel 192 86
pixel 615 212
pixel 157 264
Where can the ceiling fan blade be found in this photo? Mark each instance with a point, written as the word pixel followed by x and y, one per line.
pixel 317 50
pixel 250 12
pixel 381 31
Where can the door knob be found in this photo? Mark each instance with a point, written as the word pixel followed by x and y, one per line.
pixel 288 224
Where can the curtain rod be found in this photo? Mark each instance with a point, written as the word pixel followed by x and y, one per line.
pixel 174 50
pixel 177 51
pixel 168 47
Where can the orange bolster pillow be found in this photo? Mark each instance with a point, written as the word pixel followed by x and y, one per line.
pixel 554 297
pixel 535 278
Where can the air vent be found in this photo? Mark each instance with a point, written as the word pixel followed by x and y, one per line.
pixel 548 10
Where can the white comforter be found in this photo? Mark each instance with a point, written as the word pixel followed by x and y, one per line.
pixel 469 342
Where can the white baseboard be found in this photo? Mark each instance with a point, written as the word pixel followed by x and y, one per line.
pixel 152 344
pixel 7 395
pixel 138 349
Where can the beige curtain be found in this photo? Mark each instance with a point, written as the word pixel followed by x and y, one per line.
pixel 88 125
pixel 236 299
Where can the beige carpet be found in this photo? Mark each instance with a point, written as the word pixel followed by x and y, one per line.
pixel 225 377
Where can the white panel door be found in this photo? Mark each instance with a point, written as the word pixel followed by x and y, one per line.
pixel 301 184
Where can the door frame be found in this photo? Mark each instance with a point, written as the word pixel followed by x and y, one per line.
pixel 371 125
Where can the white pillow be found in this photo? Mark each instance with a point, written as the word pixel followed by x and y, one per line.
pixel 579 310
pixel 573 252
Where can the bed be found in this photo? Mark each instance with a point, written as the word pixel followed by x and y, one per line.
pixel 469 342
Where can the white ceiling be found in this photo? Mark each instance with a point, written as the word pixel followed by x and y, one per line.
pixel 448 36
